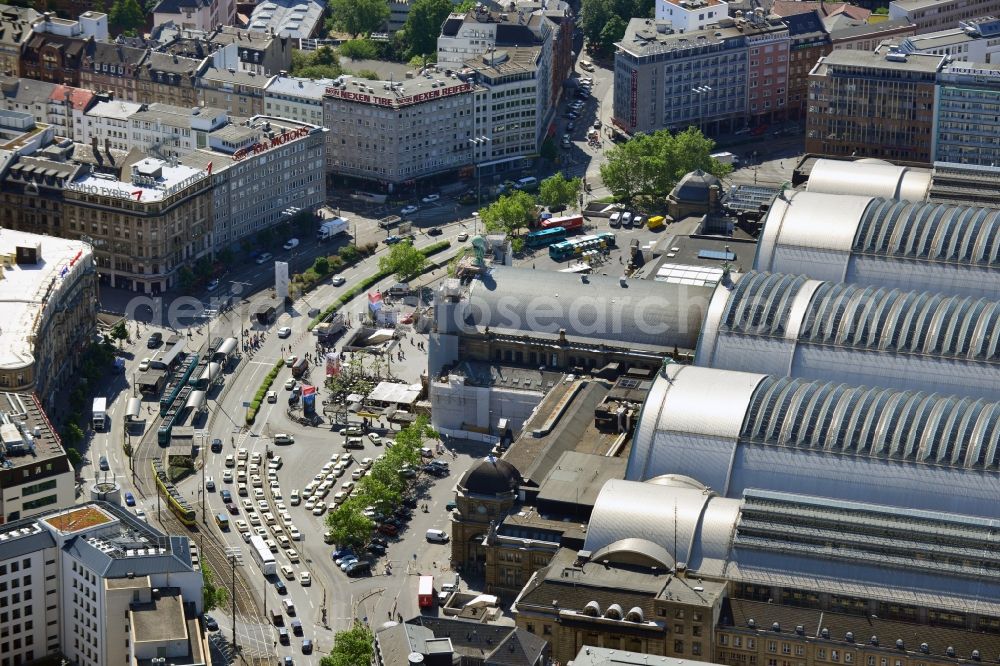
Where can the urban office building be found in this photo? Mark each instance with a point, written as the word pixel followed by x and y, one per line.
pixel 665 79
pixel 49 293
pixel 261 172
pixel 967 114
pixel 195 14
pixel 878 104
pixel 395 132
pixel 932 15
pixel 296 98
pixel 238 93
pixel 97 586
pixel 36 476
pixel 970 41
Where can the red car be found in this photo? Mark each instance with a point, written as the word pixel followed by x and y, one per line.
pixel 388 529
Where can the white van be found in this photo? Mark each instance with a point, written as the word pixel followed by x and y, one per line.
pixel 436 536
pixel 528 184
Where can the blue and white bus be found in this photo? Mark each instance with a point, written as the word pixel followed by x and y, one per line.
pixel 545 237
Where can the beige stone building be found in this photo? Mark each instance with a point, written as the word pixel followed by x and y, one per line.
pixel 144 228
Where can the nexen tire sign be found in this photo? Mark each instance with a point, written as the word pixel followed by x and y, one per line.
pixel 264 146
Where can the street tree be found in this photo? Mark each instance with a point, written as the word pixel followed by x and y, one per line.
pixel 612 32
pixel 352 647
pixel 358 49
pixel 509 213
pixel 347 523
pixel 380 492
pixel 213 596
pixel 120 332
pixel 651 164
pixel 126 16
pixel 557 190
pixel 404 260
pixel 356 17
pixel 423 24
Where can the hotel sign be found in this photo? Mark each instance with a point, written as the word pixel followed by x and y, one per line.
pixel 267 145
pixel 365 98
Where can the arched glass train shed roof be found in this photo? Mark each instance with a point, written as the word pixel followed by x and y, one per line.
pixel 733 431
pixel 875 422
pixel 846 315
pixel 883 242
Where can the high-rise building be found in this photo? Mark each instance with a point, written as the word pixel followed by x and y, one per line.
pixel 99 587
pixel 878 104
pixel 967 114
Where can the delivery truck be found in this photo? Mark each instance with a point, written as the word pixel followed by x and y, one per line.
pixel 331 228
pixel 100 411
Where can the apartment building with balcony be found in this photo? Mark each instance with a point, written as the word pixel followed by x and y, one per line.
pixel 878 104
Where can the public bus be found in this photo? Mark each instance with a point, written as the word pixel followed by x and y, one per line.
pixel 568 249
pixel 263 555
pixel 545 237
pixel 570 223
pixel 425 592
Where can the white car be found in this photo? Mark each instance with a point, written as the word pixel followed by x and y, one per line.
pixel 254 519
pixel 346 458
pixel 213 284
pixel 319 509
pixel 263 506
pixel 272 396
pixel 357 474
pixel 294 533
pixel 338 281
pixel 227 476
pixel 291 244
pixel 256 481
pixel 144 365
pixel 258 493
pixel 264 258
pixel 273 547
pixel 305 579
pixel 247 505
pixel 292 555
pixel 261 532
pixel 294 498
pixel 462 237
pixel 287 572
pixel 366 463
pixel 140 514
pixel 284 332
pixel 431 198
pixel 284 542
pixel 241 526
pixel 409 210
pixel 375 438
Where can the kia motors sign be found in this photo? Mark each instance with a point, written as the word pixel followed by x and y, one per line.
pixel 395 102
pixel 268 144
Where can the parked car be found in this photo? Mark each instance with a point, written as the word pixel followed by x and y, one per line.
pixel 129 499
pixel 144 365
pixel 431 198
pixel 210 623
pixel 155 340
pixel 264 258
pixel 409 210
pixel 434 231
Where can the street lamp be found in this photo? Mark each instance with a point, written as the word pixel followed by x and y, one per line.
pixel 235 557
pixel 478 142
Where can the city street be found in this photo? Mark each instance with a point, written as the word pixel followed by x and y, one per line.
pixel 341 597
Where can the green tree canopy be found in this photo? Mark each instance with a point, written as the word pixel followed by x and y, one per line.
pixel 120 331
pixel 213 596
pixel 651 164
pixel 356 17
pixel 509 213
pixel 127 16
pixel 612 32
pixel 348 524
pixel 358 49
pixel 423 24
pixel 557 190
pixel 404 260
pixel 352 647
